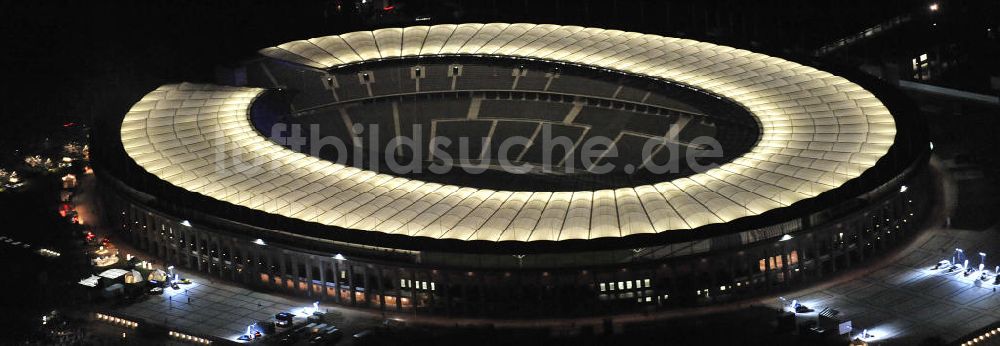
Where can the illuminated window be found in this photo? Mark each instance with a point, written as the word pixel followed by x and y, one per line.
pixel 602 287
pixel 776 262
pixel 646 283
pixel 921 67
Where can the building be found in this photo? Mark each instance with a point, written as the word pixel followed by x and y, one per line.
pixel 819 172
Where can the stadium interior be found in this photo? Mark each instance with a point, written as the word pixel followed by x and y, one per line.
pixel 529 104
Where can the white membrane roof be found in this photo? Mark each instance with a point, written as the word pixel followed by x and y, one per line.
pixel 818 132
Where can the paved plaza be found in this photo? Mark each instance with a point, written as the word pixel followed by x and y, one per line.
pixel 901 303
pixel 906 302
pixel 224 310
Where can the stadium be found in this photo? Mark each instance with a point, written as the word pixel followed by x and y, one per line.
pixel 819 170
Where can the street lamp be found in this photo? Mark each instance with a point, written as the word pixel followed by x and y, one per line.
pixel 934 7
pixel 982 260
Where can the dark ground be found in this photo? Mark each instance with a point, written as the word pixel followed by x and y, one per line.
pixel 36 284
pixel 965 134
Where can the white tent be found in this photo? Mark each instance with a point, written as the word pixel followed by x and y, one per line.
pixel 157 275
pixel 133 276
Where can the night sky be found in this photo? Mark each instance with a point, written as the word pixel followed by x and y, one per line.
pixel 71 61
pixel 83 60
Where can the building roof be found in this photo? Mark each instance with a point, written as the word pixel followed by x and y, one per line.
pixel 91 281
pixel 818 132
pixel 113 273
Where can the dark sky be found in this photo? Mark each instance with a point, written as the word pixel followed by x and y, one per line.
pixel 77 59
pixel 80 60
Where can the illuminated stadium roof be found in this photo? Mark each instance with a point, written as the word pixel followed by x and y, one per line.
pixel 818 132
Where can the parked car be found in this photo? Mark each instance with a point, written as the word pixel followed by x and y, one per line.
pixel 329 336
pixel 364 337
pixel 283 319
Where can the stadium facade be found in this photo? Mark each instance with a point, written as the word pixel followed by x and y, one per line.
pixel 819 172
